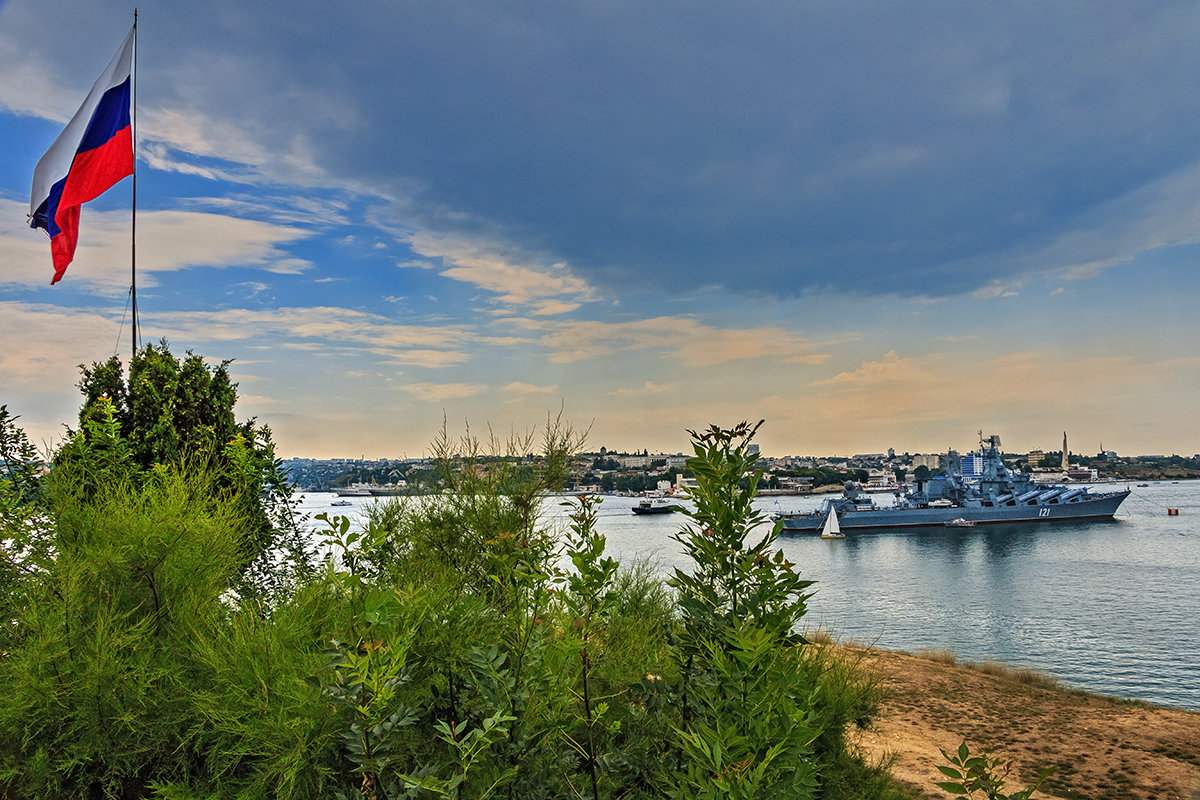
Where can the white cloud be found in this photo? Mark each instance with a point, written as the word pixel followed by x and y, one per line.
pixel 45 343
pixel 553 307
pixel 891 368
pixel 24 252
pixel 245 401
pixel 289 266
pixel 1160 214
pixel 39 363
pixel 29 88
pixel 694 342
pixel 251 288
pixel 173 138
pixel 436 392
pixel 327 331
pixel 431 359
pixel 166 241
pixel 528 388
pixel 647 388
pixel 997 289
pixel 482 263
pixel 296 209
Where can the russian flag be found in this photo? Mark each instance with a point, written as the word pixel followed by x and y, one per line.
pixel 92 153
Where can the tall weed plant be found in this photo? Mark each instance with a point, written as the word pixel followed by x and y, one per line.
pixel 747 726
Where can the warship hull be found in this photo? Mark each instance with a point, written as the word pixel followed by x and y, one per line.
pixel 1095 507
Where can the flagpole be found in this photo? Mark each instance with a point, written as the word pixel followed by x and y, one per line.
pixel 133 333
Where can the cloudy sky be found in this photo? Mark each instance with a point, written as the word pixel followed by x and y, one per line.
pixel 873 224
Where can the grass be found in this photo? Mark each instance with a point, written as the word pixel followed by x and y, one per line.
pixel 824 636
pixel 1027 676
pixel 1023 675
pixel 947 657
pixel 818 636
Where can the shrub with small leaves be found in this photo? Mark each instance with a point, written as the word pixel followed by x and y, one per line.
pixel 982 773
pixel 747 730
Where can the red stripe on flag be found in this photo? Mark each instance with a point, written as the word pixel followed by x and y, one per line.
pixel 91 174
pixel 62 246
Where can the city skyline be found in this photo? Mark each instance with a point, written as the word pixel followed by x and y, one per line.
pixel 862 223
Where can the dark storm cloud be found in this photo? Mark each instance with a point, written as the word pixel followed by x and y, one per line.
pixel 915 148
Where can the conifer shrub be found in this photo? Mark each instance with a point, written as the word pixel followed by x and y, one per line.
pixel 97 688
pixel 175 412
pixel 25 546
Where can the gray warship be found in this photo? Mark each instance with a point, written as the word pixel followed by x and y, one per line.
pixel 997 496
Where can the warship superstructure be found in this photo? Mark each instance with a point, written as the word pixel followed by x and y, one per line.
pixel 998 495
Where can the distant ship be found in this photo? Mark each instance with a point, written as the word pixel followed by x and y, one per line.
pixel 997 496
pixel 373 490
pixel 657 507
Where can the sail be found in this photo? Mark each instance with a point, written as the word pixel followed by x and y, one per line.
pixel 832 528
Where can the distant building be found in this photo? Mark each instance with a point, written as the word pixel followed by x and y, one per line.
pixel 972 465
pixel 683 484
pixel 929 461
pixel 645 461
pixel 1035 457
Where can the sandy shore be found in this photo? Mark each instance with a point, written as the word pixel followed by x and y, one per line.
pixel 1101 748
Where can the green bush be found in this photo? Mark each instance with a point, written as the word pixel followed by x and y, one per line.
pixel 97 688
pixel 762 714
pixel 458 646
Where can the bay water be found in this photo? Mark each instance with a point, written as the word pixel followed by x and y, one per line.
pixel 1111 607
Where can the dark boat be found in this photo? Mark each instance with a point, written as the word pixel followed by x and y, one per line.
pixel 997 496
pixel 657 507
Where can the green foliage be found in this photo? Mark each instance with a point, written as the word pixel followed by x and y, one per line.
pixel 176 413
pixel 25 547
pixel 169 409
pixel 749 716
pixel 589 599
pixel 19 464
pixel 981 773
pixel 95 699
pixel 458 645
pixel 734 581
pixel 752 729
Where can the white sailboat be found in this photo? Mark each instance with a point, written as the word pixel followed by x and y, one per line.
pixel 832 530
